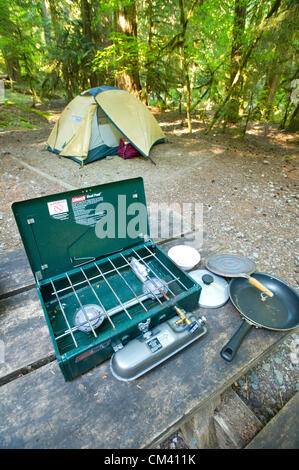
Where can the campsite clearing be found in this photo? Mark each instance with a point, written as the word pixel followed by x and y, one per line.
pixel 247 188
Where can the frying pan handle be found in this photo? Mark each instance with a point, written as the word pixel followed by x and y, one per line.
pixel 230 349
pixel 260 286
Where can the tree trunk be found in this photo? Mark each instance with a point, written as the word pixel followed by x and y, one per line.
pixel 54 18
pixel 189 93
pixel 185 59
pixel 45 17
pixel 293 125
pixel 149 43
pixel 270 89
pixel 236 59
pixel 30 79
pixel 283 123
pixel 56 27
pixel 86 19
pixel 127 24
pixel 86 16
pixel 12 66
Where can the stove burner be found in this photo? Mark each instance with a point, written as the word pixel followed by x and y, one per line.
pixel 155 287
pixel 88 317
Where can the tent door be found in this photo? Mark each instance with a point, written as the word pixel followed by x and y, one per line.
pixel 103 132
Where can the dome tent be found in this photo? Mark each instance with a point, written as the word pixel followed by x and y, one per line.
pixel 92 124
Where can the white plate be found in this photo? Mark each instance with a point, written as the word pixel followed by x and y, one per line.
pixel 184 256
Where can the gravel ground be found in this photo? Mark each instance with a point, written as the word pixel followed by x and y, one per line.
pixel 248 191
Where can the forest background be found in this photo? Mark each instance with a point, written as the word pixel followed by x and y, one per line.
pixel 224 61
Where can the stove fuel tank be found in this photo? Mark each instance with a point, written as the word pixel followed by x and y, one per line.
pixel 154 346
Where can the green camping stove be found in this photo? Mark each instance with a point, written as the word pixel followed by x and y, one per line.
pixel 105 287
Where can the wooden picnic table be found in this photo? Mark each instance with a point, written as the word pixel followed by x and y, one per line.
pixel 38 409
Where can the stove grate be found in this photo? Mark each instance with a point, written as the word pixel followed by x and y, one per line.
pixel 113 287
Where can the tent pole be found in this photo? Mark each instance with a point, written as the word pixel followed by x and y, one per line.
pixel 152 160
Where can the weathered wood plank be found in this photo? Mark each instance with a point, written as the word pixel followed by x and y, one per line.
pixel 199 432
pixel 23 332
pixel 282 431
pixel 235 423
pixel 15 273
pixel 41 410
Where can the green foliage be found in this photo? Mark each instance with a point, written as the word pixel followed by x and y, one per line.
pixel 183 48
pixel 44 115
pixel 117 56
pixel 13 121
pixel 20 38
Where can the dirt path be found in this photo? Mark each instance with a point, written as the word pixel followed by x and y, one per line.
pixel 248 188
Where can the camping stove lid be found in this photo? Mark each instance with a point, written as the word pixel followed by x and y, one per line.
pixel 215 291
pixel 65 230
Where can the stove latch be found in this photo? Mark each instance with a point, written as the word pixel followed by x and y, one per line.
pixel 144 328
pixel 117 346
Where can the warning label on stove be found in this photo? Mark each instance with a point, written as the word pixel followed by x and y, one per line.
pixel 58 209
pixel 84 209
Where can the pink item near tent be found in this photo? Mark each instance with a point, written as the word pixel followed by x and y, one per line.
pixel 126 150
